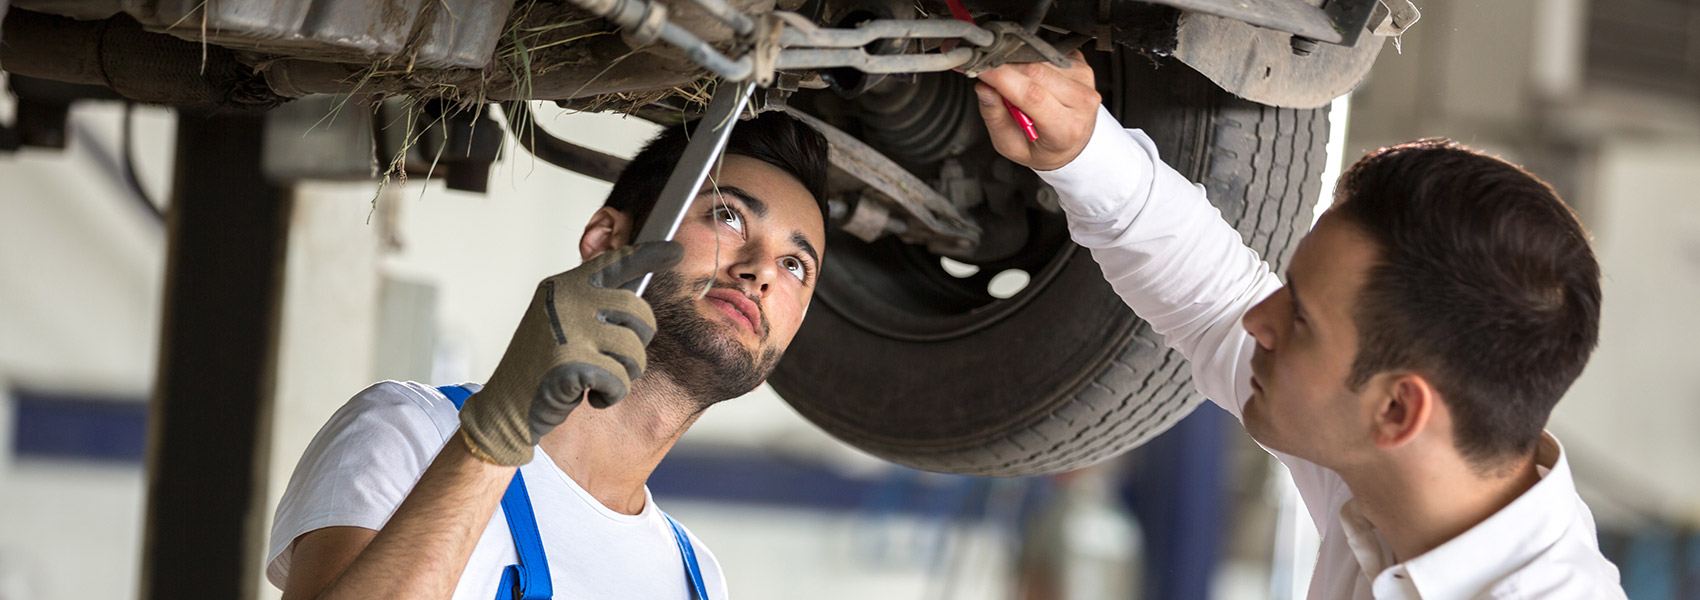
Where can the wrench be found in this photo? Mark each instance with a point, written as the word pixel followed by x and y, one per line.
pixel 708 140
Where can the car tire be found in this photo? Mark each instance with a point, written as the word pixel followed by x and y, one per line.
pixel 1065 375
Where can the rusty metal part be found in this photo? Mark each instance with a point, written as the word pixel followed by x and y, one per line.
pixel 1002 42
pixel 728 14
pixel 855 58
pixel 600 65
pixel 1142 26
pixel 764 50
pixel 651 18
pixel 418 33
pixel 800 32
pixel 1391 20
pixel 1350 18
pixel 1259 64
pixel 930 217
pixel 1336 22
pixel 871 220
pixel 647 26
pixel 1293 16
pixel 1013 44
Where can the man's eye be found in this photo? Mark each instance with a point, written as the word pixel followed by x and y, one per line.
pixel 795 266
pixel 729 217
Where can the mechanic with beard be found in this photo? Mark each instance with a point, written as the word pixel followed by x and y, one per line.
pixel 398 494
pixel 1404 374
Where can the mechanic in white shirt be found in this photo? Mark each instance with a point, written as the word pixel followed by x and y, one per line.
pixel 405 493
pixel 1404 374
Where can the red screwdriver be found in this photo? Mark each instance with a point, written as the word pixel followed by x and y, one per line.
pixel 961 13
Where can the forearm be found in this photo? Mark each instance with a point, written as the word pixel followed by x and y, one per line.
pixel 422 550
pixel 1165 250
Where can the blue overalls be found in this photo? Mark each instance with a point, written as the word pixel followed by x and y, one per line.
pixel 529 580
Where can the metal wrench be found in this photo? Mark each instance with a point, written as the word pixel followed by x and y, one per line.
pixel 707 142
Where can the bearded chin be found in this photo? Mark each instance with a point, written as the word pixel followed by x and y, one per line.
pixel 697 354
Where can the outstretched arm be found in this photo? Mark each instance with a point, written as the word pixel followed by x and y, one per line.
pixel 1162 246
pixel 582 337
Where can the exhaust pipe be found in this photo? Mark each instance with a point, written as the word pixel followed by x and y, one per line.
pixel 116 53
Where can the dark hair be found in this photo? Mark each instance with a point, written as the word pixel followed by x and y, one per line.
pixel 771 137
pixel 1485 284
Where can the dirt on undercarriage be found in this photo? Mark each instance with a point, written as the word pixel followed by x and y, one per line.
pixel 547 51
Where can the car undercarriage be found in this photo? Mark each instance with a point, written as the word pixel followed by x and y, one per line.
pixel 924 214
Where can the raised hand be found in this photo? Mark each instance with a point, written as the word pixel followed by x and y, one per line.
pixel 1062 103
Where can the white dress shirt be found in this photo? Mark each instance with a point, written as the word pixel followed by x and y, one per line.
pixel 1172 258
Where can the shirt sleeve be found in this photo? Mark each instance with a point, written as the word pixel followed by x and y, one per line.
pixel 1169 255
pixel 359 467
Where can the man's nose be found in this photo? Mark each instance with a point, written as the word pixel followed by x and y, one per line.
pixel 1262 320
pixel 754 270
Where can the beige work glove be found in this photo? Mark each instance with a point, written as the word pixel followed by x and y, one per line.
pixel 582 337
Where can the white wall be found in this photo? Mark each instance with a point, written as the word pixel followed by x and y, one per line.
pixel 81 269
pixel 1632 416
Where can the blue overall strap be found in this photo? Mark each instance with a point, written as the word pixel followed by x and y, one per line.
pixel 456 394
pixel 528 580
pixel 698 591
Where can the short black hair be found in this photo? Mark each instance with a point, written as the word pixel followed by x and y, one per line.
pixel 1485 284
pixel 772 137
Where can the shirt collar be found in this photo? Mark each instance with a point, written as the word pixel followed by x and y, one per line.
pixel 1372 554
pixel 1469 564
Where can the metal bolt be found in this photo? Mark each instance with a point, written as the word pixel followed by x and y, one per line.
pixel 1303 46
pixel 837 209
pixel 773 99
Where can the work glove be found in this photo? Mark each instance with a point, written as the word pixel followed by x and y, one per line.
pixel 582 337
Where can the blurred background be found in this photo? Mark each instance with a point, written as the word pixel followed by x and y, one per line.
pixel 415 281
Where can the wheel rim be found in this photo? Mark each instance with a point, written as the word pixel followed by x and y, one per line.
pixel 921 301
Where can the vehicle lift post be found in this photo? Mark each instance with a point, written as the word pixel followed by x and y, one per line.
pixel 210 415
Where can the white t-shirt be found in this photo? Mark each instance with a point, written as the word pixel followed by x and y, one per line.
pixel 1171 257
pixel 367 457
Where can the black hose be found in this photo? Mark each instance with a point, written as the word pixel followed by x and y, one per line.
pixel 129 154
pixel 1036 16
pixel 556 151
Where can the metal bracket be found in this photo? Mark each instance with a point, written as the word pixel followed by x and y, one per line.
pixel 855 58
pixel 1336 22
pixel 930 217
pixel 1349 18
pixel 1014 44
pixel 809 46
pixel 800 32
pixel 800 44
pixel 998 43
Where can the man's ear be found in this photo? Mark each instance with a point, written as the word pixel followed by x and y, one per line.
pixel 1408 403
pixel 608 229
